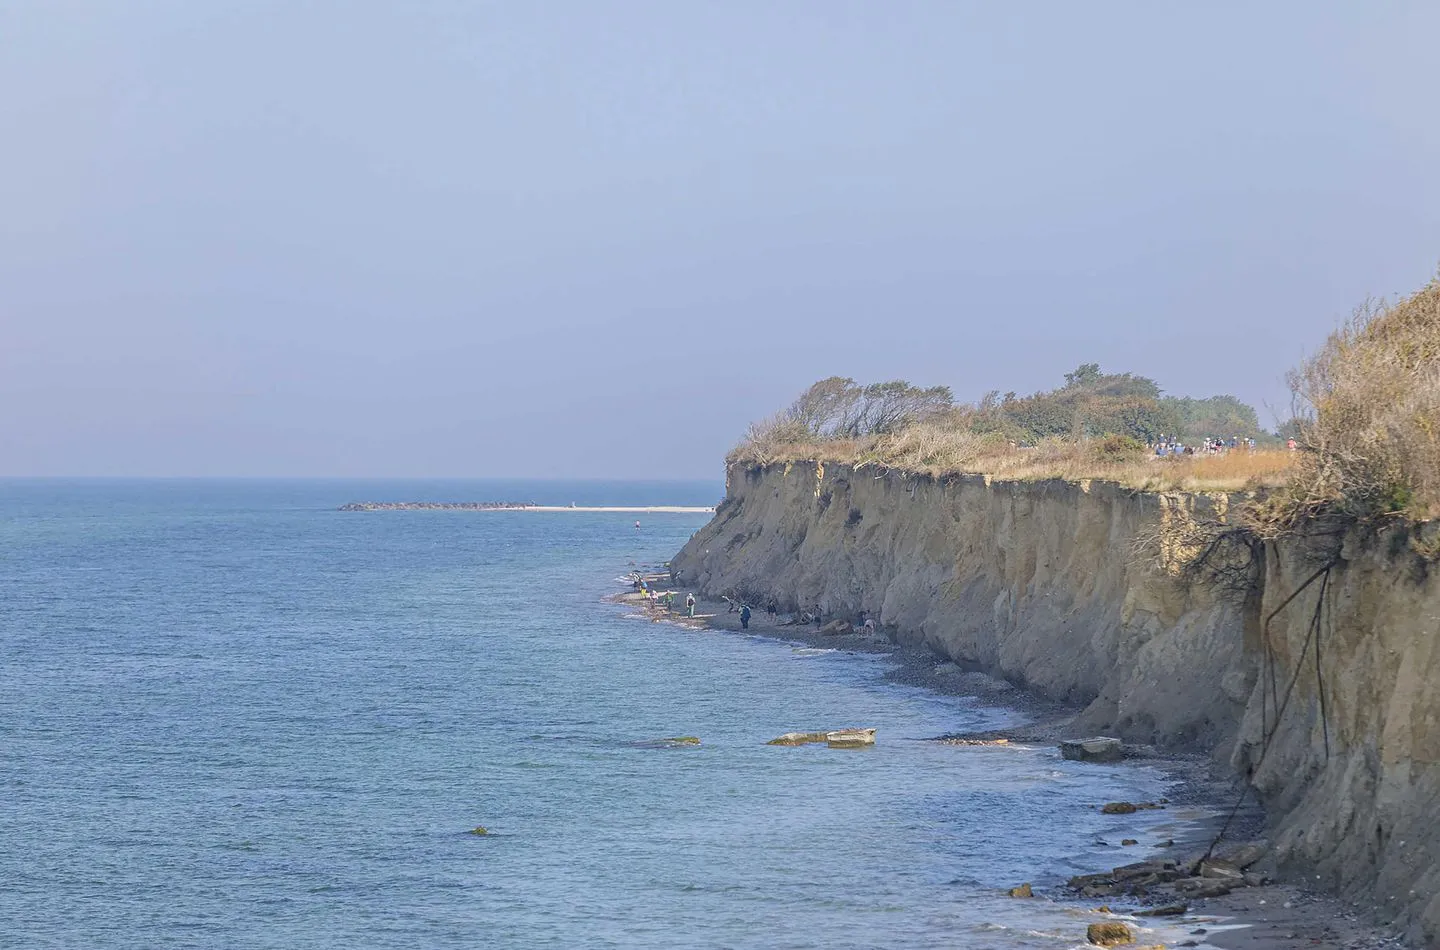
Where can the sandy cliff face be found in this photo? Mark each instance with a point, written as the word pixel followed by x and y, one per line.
pixel 1046 585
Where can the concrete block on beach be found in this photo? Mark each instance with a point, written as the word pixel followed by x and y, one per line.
pixel 1098 749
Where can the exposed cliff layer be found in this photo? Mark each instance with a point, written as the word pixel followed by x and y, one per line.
pixel 1078 592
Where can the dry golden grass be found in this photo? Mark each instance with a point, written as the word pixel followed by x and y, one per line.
pixel 1373 393
pixel 1228 472
pixel 938 450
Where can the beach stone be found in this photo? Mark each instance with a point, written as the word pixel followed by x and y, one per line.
pixel 983 683
pixel 1204 887
pixel 670 742
pixel 1244 856
pixel 1119 808
pixel 1100 890
pixel 1111 933
pixel 798 738
pixel 1023 890
pixel 1080 881
pixel 946 669
pixel 837 628
pixel 1161 870
pixel 850 738
pixel 1221 870
pixel 1170 910
pixel 976 741
pixel 1097 749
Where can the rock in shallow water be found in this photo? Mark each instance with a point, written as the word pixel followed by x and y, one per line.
pixel 835 738
pixel 850 738
pixel 1023 890
pixel 1098 749
pixel 797 738
pixel 1109 934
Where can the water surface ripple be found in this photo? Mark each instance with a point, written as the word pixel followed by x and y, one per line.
pixel 234 716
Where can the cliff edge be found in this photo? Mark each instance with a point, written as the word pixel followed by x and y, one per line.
pixel 1305 664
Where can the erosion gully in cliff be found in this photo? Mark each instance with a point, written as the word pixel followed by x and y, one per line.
pixel 1305 664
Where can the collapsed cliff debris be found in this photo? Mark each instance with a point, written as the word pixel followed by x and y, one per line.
pixel 1167 884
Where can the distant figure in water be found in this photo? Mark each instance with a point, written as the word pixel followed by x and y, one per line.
pixel 637 526
pixel 689 605
pixel 745 617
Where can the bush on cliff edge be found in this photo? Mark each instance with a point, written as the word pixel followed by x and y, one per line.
pixel 1368 413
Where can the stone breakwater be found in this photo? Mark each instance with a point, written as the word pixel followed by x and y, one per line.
pixel 1306 668
pixel 436 505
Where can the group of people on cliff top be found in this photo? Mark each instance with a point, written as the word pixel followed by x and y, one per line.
pixel 1164 446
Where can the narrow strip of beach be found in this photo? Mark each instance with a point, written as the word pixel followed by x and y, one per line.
pixel 1268 916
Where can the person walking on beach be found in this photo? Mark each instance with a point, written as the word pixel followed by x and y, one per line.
pixel 744 616
pixel 689 605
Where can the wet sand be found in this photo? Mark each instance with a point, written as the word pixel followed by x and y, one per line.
pixel 1273 916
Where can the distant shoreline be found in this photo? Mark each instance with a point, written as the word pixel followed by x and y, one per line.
pixel 521 506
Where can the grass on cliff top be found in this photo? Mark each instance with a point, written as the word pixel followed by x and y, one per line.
pixel 937 450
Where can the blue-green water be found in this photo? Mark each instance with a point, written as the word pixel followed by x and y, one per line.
pixel 232 716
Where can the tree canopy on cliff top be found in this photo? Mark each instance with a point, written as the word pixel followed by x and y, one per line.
pixel 1093 426
pixel 1091 405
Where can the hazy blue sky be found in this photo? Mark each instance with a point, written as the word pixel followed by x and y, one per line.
pixel 585 238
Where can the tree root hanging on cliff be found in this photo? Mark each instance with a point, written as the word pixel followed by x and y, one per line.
pixel 1268 685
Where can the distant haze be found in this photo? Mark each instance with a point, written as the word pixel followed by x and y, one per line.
pixel 596 239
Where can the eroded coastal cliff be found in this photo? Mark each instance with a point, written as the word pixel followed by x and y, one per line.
pixel 1325 700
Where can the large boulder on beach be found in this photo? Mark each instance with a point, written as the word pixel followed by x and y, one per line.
pixel 1111 933
pixel 1097 749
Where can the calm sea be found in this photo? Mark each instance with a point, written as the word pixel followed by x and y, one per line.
pixel 232 716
